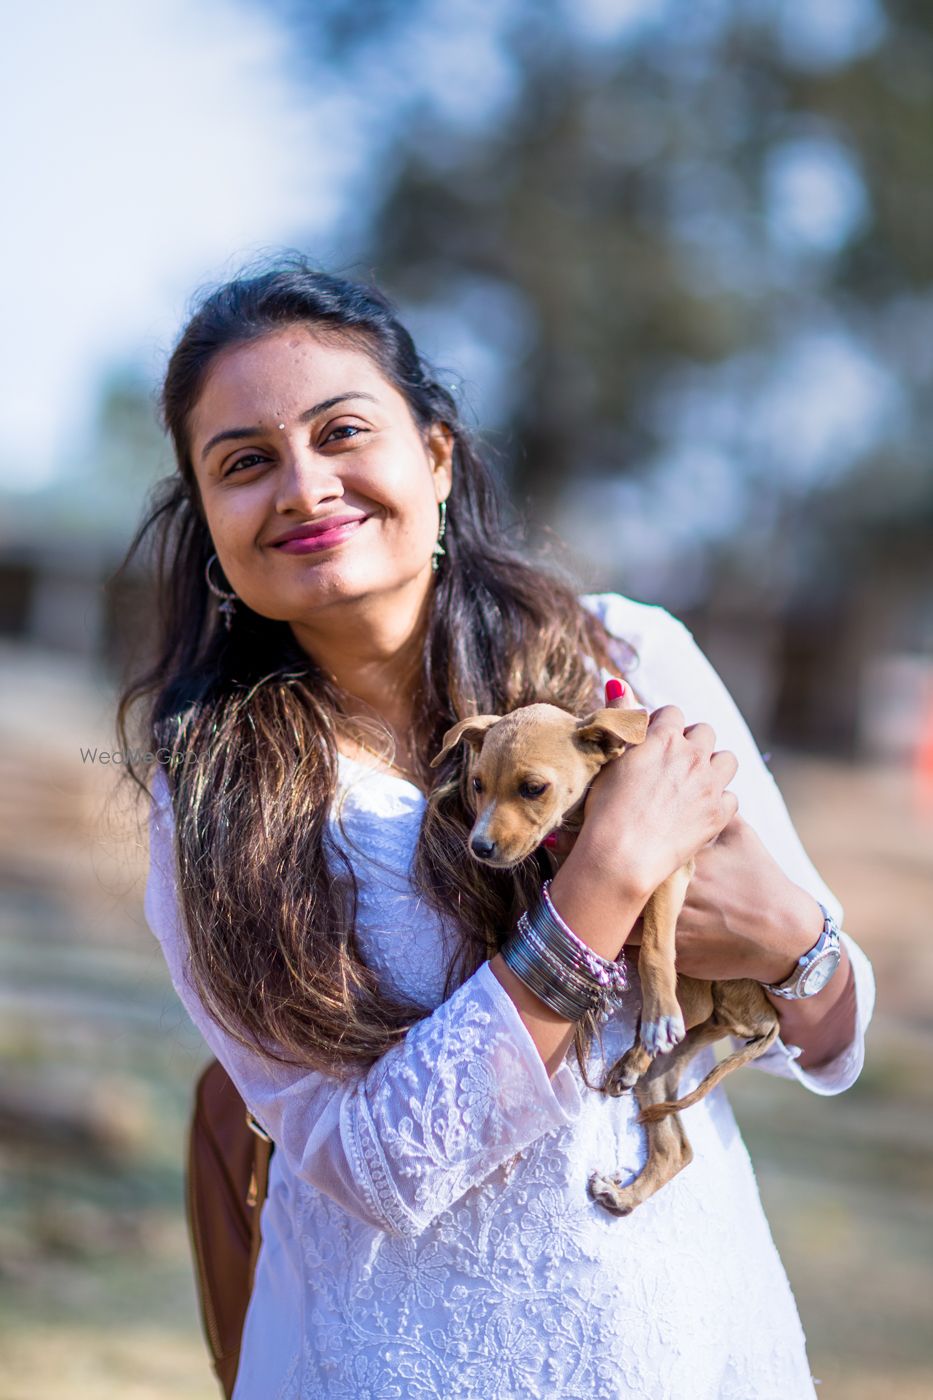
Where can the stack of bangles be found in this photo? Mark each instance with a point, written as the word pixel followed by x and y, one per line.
pixel 559 967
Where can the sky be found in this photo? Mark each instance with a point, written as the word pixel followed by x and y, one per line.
pixel 152 148
pixel 157 146
pixel 148 148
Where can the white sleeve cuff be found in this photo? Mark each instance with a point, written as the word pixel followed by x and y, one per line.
pixel 558 1094
pixel 841 1072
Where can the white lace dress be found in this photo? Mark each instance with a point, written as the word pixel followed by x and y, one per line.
pixel 428 1230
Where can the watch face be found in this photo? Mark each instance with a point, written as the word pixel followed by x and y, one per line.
pixel 819 972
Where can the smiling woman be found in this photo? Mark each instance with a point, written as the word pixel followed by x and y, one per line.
pixel 350 481
pixel 428 1229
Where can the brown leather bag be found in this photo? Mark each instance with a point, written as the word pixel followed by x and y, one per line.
pixel 226 1179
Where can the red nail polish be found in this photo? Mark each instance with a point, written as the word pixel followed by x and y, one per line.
pixel 550 839
pixel 614 689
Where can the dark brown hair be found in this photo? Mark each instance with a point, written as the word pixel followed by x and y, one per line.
pixel 248 722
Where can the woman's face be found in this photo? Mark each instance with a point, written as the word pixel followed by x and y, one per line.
pixel 272 452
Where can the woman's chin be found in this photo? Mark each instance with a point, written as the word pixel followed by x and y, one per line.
pixel 310 583
pixel 332 588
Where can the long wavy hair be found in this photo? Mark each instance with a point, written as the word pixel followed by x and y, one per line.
pixel 246 724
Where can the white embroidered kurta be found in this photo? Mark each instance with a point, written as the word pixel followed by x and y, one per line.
pixel 405 1253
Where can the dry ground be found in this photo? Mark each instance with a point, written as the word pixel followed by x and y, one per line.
pixel 96 1294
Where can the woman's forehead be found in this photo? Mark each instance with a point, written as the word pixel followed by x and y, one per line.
pixel 282 376
pixel 286 361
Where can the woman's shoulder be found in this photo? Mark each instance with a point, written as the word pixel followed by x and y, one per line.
pixel 161 792
pixel 633 621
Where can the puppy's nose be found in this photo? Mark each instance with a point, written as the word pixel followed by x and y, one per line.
pixel 482 848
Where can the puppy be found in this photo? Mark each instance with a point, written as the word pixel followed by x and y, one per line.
pixel 529 774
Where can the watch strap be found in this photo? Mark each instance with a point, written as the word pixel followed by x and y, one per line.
pixel 828 939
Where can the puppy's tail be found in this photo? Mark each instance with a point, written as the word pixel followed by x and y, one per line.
pixel 653 1113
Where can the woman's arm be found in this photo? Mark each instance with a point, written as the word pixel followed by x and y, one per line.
pixel 602 909
pixel 770 921
pixel 822 1042
pixel 826 1025
pixel 466 1090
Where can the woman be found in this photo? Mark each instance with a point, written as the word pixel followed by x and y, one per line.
pixel 428 1231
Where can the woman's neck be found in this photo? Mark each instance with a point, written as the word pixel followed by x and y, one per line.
pixel 373 650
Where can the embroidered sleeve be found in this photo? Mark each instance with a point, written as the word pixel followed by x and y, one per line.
pixel 680 673
pixel 465 1091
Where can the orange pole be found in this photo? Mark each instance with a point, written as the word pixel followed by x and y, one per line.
pixel 923 763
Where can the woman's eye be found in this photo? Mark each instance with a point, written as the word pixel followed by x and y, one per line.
pixel 343 428
pixel 251 457
pixel 243 461
pixel 532 789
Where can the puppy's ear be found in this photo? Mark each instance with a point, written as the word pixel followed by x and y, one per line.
pixel 473 730
pixel 610 730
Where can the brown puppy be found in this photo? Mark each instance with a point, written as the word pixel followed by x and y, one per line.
pixel 529 775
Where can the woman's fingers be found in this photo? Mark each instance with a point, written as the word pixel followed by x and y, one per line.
pixel 667 717
pixel 701 733
pixel 619 695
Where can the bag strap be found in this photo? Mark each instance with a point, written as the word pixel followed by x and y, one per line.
pixel 258 1187
pixel 226 1182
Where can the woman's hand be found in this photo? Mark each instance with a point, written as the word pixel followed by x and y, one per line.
pixel 647 813
pixel 742 916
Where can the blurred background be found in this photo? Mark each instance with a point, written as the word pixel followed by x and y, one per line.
pixel 677 256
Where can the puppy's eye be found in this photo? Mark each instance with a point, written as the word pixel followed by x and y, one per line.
pixel 532 789
pixel 477 784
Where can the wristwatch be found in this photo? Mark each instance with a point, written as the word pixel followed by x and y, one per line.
pixel 815 968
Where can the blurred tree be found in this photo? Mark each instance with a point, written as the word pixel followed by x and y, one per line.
pixel 711 223
pixel 115 461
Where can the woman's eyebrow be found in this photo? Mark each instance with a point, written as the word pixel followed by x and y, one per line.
pixel 233 434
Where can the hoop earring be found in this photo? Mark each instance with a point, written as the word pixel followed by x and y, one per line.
pixel 228 605
pixel 439 549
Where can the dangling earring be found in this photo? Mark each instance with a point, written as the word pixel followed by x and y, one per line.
pixel 228 605
pixel 439 549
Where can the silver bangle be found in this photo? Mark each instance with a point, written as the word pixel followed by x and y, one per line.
pixel 572 978
pixel 552 979
pixel 567 974
pixel 606 972
pixel 544 986
pixel 552 974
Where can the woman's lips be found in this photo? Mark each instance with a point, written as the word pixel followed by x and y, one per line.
pixel 325 539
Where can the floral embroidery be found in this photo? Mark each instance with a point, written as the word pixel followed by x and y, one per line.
pixel 408 1274
pixel 366 1379
pixel 438 1238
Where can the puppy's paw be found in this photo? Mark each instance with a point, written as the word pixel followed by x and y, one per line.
pixel 610 1194
pixel 625 1074
pixel 663 1034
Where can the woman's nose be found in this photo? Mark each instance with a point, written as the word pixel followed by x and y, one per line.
pixel 305 480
